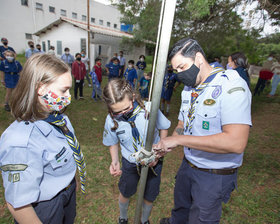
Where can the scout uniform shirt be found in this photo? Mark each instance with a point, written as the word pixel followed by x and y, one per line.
pixel 36 162
pixel 226 100
pixel 123 133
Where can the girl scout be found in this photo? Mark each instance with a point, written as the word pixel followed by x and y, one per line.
pixel 125 124
pixel 9 72
pixel 36 158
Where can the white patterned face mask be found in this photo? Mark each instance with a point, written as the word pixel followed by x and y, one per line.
pixel 55 102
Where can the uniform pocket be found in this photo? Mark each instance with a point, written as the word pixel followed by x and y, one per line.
pixel 61 161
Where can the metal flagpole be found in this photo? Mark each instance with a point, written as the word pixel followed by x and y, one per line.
pixel 165 34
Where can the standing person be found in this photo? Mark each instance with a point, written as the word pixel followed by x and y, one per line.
pixel 122 63
pixel 265 75
pixel 67 57
pixel 131 74
pixel 85 60
pixel 141 65
pixel 238 62
pixel 4 48
pixel 96 90
pixel 9 73
pixel 144 85
pixel 276 78
pixel 31 50
pixel 79 72
pixel 36 151
pixel 38 47
pixel 125 122
pixel 216 63
pixel 113 68
pixel 98 69
pixel 168 87
pixel 52 50
pixel 213 127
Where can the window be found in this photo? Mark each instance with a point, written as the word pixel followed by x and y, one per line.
pixel 59 47
pixel 74 15
pixel 83 44
pixel 100 22
pixel 63 12
pixel 84 18
pixel 51 9
pixel 92 20
pixel 44 46
pixel 28 36
pixel 108 24
pixel 99 50
pixel 24 2
pixel 115 26
pixel 39 6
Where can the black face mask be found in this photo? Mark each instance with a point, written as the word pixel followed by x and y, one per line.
pixel 189 76
pixel 31 46
pixel 78 59
pixel 5 43
pixel 124 116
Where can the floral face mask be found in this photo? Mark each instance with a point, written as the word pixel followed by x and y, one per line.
pixel 55 102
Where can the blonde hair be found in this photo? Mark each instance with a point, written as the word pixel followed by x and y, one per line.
pixel 39 69
pixel 115 91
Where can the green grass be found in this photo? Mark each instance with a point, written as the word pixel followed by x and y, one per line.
pixel 256 201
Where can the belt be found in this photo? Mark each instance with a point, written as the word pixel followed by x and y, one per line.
pixel 11 73
pixel 214 171
pixel 66 188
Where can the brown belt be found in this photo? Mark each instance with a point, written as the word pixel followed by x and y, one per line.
pixel 214 171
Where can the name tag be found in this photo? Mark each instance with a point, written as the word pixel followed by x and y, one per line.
pixel 120 132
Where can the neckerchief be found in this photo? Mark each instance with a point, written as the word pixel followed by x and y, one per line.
pixel 195 94
pixel 58 121
pixel 135 133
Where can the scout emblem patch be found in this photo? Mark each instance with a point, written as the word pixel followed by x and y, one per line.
pixel 209 102
pixel 217 92
pixel 205 125
pixel 236 89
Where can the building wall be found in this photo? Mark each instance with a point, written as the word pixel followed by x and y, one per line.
pixel 17 20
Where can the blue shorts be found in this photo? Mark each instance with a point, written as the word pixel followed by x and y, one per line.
pixel 198 195
pixel 60 209
pixel 130 177
pixel 11 80
pixel 167 94
pixel 144 93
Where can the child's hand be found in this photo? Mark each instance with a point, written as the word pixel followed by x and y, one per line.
pixel 115 169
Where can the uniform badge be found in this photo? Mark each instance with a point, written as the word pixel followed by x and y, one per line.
pixel 236 89
pixel 209 102
pixel 13 167
pixel 217 92
pixel 105 133
pixel 205 125
pixel 16 177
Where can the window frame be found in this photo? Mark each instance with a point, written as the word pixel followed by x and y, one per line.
pixel 62 12
pixel 52 7
pixel 39 6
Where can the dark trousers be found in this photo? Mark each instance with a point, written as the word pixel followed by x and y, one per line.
pixel 198 195
pixel 80 86
pixel 260 86
pixel 59 210
pixel 122 71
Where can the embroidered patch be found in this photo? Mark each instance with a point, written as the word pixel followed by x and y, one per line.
pixel 236 89
pixel 205 125
pixel 13 167
pixel 58 156
pixel 16 177
pixel 120 132
pixel 217 92
pixel 209 102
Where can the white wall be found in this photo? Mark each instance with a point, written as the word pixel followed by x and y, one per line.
pixel 16 20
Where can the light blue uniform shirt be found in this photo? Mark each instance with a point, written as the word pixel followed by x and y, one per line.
pixel 123 134
pixel 232 105
pixel 29 52
pixel 47 155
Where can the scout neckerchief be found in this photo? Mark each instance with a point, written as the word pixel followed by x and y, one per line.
pixel 59 121
pixel 195 94
pixel 134 130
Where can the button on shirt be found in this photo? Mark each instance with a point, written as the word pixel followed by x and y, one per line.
pixel 226 100
pixel 44 151
pixel 123 134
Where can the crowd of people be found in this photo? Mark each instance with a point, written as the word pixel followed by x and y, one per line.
pixel 40 154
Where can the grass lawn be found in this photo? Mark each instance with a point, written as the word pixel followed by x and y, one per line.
pixel 256 201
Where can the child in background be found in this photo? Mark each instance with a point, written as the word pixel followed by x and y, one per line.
pixel 9 73
pixel 96 91
pixel 125 125
pixel 131 74
pixel 113 68
pixel 79 72
pixel 144 85
pixel 169 81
